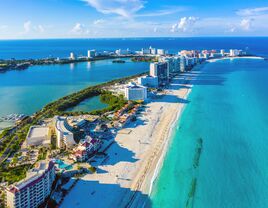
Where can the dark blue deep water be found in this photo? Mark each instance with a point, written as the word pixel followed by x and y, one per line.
pixel 61 47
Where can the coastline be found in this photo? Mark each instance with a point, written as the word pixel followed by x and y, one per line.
pixel 236 57
pixel 160 162
pixel 140 153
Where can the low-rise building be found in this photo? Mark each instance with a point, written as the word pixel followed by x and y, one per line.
pixel 38 136
pixel 135 92
pixel 34 189
pixel 85 149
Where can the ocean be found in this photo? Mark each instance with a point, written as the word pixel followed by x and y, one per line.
pixel 21 49
pixel 228 110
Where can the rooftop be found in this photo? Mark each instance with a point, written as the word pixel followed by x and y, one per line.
pixel 37 133
pixel 32 176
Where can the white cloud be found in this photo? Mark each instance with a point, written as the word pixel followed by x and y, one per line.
pixel 246 24
pixel 124 8
pixel 79 29
pixel 99 21
pixel 27 26
pixel 162 12
pixel 40 29
pixel 232 29
pixel 185 24
pixel 252 11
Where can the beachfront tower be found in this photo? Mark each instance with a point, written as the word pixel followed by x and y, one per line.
pixel 182 64
pixel 91 53
pixel 72 56
pixel 161 52
pixel 160 70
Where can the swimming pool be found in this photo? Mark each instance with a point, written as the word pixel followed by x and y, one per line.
pixel 63 165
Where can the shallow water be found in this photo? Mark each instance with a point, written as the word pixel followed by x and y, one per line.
pixel 25 92
pixel 228 110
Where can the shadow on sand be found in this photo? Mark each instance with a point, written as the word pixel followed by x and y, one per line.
pixel 87 194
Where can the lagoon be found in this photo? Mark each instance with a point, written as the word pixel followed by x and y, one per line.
pixel 88 105
pixel 27 91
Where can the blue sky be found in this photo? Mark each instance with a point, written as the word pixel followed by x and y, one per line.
pixel 26 19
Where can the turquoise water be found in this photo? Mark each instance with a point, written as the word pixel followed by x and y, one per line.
pixel 88 105
pixel 63 165
pixel 228 110
pixel 29 90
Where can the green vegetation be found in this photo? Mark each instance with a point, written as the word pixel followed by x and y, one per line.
pixel 114 102
pixel 15 174
pixel 92 169
pixel 6 65
pixel 42 154
pixel 53 144
pixel 5 132
pixel 13 139
pixel 144 59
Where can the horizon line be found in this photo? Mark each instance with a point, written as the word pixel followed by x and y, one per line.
pixel 142 37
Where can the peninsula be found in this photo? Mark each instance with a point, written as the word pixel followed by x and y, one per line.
pixel 117 149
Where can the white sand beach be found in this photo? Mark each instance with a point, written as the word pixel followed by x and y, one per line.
pixel 237 57
pixel 125 178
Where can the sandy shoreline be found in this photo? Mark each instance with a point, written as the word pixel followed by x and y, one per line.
pixel 241 57
pixel 126 178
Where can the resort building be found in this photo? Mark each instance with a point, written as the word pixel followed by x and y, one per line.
pixel 145 51
pixel 72 56
pixel 160 70
pixel 222 52
pixel 173 63
pixel 32 191
pixel 38 136
pixel 234 52
pixel 65 137
pixel 121 52
pixel 148 81
pixel 153 51
pixel 161 52
pixel 182 64
pixel 91 53
pixel 135 92
pixel 85 149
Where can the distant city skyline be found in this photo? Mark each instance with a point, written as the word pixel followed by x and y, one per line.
pixel 36 19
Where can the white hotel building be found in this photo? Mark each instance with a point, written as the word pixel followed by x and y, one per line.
pixel 34 189
pixel 65 136
pixel 135 92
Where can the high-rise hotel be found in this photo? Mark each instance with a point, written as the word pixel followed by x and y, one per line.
pixel 34 189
